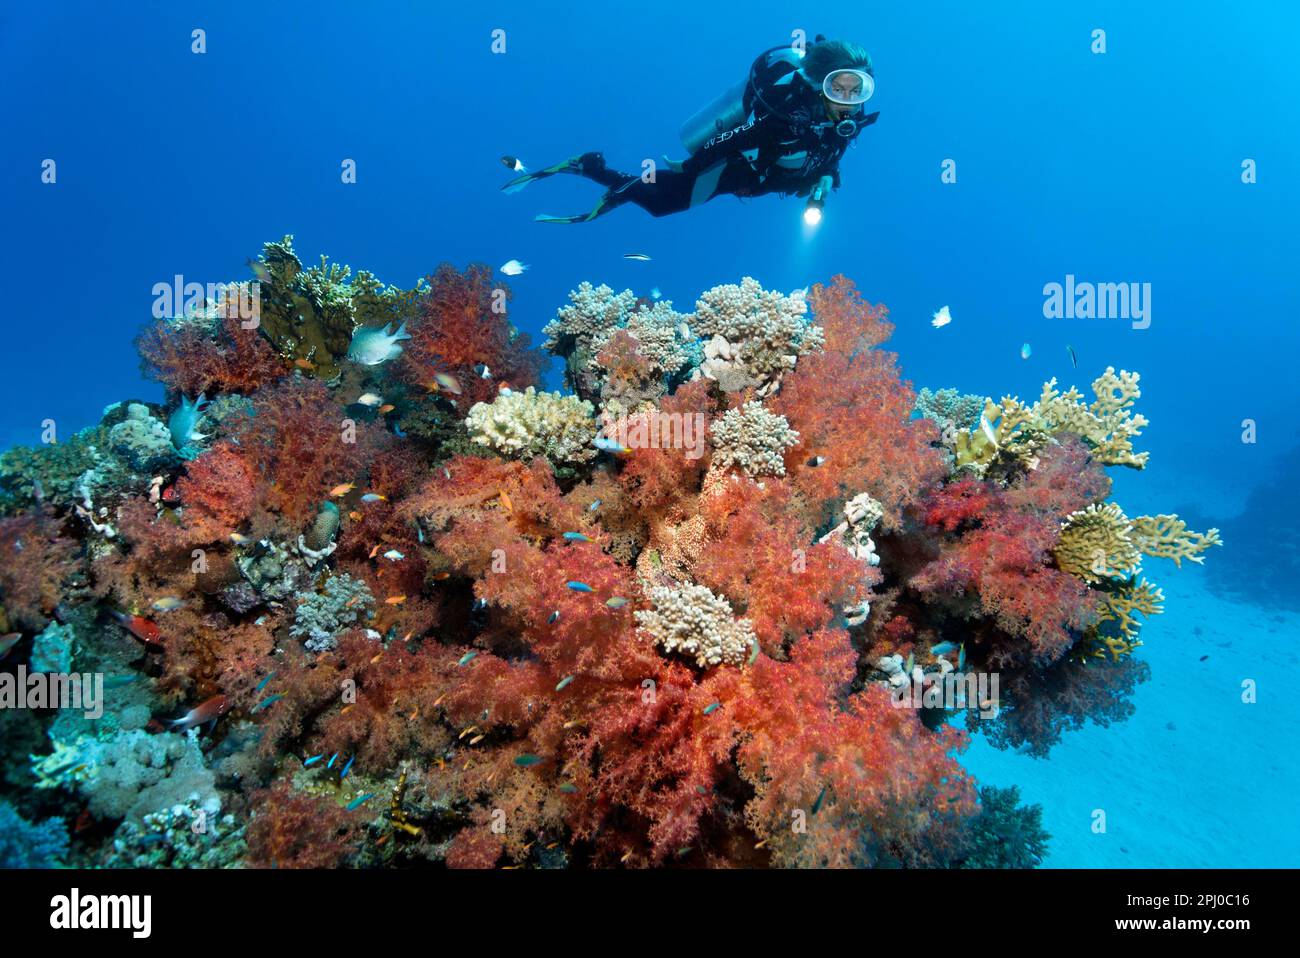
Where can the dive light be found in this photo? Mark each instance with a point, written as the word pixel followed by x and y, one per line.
pixel 812 213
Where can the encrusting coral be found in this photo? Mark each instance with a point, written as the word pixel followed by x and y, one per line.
pixel 397 602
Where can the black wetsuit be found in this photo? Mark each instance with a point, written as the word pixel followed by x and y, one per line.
pixel 785 145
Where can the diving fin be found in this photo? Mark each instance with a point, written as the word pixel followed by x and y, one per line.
pixel 603 206
pixel 572 165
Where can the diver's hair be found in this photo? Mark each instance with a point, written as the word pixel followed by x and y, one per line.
pixel 828 55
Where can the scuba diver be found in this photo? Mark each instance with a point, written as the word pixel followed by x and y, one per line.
pixel 783 130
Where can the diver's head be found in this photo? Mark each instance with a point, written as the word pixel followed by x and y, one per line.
pixel 842 71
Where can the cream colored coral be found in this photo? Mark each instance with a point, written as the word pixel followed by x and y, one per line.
pixel 1121 607
pixel 753 439
pixel 661 334
pixel 1167 537
pixel 526 424
pixel 693 621
pixel 1096 544
pixel 592 310
pixel 755 335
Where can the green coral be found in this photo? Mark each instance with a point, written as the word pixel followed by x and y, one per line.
pixel 1005 834
pixel 310 313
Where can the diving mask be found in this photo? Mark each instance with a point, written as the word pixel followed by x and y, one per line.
pixel 848 87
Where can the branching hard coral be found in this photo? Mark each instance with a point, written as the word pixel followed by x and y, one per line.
pixel 1108 425
pixel 752 439
pixel 1096 544
pixel 755 335
pixel 129 773
pixel 1167 537
pixel 528 424
pixel 1121 607
pixel 693 621
pixel 321 616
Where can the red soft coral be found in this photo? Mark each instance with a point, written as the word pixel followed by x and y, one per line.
pixel 853 412
pixel 191 360
pixel 462 324
pixel 36 561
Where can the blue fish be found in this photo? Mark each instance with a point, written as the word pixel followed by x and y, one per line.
pixel 266 702
pixel 467 657
pixel 579 587
pixel 943 648
pixel 821 797
pixel 262 684
pixel 333 758
pixel 346 768
pixel 712 707
pixel 568 788
pixel 594 506
pixel 961 657
pixel 312 761
pixel 553 618
pixel 360 800
pixel 1025 351
pixel 563 682
pixel 527 759
pixel 576 537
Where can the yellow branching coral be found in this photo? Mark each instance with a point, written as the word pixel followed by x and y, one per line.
pixel 1108 424
pixel 1096 544
pixel 1168 537
pixel 1121 608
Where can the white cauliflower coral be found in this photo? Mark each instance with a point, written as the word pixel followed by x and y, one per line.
pixel 753 439
pixel 693 621
pixel 755 336
pixel 527 424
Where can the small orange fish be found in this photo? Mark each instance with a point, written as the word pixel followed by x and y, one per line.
pixel 472 728
pixel 304 364
pixel 415 713
pixel 506 503
pixel 440 576
pixel 395 600
pixel 386 408
pixel 351 602
pixel 552 845
pixel 376 657
pixel 476 739
pixel 624 859
pixel 345 710
pixel 441 763
pixel 760 844
pixel 373 552
pixel 381 841
pixel 438 700
pixel 343 490
pixel 355 516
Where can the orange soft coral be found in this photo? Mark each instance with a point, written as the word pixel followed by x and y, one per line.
pixel 853 412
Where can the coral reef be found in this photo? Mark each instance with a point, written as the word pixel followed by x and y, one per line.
pixel 25 844
pixel 409 610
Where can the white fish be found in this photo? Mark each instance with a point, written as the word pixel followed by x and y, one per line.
pixel 514 267
pixel 941 318
pixel 483 371
pixel 639 257
pixel 370 399
pixel 392 555
pixel 1025 351
pixel 987 429
pixel 654 293
pixel 372 347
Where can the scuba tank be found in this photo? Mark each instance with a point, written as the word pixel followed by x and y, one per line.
pixel 729 109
